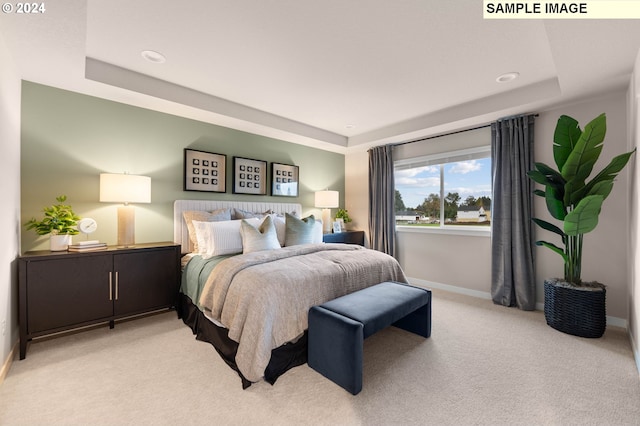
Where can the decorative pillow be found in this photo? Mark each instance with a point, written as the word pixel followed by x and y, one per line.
pixel 302 231
pixel 203 216
pixel 317 232
pixel 218 238
pixel 262 238
pixel 279 222
pixel 244 214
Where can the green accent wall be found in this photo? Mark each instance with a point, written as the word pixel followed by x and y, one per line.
pixel 68 139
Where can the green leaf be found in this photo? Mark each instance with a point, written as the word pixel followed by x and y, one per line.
pixel 538 192
pixel 553 247
pixel 608 173
pixel 565 138
pixel 549 227
pixel 584 218
pixel 602 188
pixel 545 175
pixel 538 177
pixel 586 152
pixel 555 204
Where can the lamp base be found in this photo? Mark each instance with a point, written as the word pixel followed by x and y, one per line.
pixel 126 226
pixel 326 221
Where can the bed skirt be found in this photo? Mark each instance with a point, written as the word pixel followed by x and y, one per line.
pixel 283 358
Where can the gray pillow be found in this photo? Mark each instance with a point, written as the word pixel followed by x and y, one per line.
pixel 299 231
pixel 245 214
pixel 257 239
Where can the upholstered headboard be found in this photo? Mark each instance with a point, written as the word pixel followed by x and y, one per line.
pixel 181 233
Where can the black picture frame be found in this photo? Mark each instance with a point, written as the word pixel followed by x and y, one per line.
pixel 284 180
pixel 249 176
pixel 204 171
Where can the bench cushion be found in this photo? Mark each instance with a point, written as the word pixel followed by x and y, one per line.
pixel 380 305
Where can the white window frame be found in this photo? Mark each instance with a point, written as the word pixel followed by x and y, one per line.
pixel 441 159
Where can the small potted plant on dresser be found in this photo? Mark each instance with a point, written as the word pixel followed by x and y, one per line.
pixel 571 305
pixel 344 215
pixel 59 222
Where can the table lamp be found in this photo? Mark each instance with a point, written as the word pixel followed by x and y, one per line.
pixel 125 188
pixel 327 200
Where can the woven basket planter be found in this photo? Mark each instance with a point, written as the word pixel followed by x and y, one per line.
pixel 580 311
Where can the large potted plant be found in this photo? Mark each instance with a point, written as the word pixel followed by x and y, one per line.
pixel 59 222
pixel 571 305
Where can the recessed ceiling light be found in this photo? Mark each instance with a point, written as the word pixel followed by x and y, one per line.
pixel 350 126
pixel 153 56
pixel 507 77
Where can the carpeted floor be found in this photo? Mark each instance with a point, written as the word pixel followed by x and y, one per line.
pixel 483 365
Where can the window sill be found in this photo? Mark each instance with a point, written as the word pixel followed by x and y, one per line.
pixel 469 231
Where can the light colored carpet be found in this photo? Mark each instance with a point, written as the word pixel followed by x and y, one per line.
pixel 483 365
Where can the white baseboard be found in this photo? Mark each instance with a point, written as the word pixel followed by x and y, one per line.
pixel 7 363
pixel 452 288
pixel 613 321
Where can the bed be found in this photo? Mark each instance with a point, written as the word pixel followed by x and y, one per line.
pixel 251 303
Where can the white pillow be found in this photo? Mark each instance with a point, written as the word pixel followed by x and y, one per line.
pixel 317 231
pixel 281 228
pixel 202 216
pixel 258 239
pixel 218 238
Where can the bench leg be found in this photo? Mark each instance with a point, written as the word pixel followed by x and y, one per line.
pixel 335 348
pixel 418 321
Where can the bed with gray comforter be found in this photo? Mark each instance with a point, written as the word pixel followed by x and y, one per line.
pixel 261 300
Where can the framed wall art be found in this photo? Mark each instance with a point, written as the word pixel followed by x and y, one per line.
pixel 284 180
pixel 204 171
pixel 249 176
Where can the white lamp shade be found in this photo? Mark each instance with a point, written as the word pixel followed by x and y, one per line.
pixel 327 199
pixel 124 188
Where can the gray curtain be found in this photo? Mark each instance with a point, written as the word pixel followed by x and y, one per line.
pixel 512 237
pixel 382 220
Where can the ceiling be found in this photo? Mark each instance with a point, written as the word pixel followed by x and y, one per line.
pixel 335 74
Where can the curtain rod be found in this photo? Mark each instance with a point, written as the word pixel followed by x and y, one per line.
pixel 457 131
pixel 439 136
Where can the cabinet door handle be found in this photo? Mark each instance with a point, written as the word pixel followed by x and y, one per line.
pixel 116 285
pixel 110 287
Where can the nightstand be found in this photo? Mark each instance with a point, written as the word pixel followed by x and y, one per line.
pixel 60 291
pixel 347 237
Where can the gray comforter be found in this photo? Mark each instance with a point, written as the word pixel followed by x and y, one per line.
pixel 263 297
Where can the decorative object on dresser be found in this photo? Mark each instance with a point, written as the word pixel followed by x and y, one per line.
pixel 62 291
pixel 87 226
pixel 59 222
pixel 249 176
pixel 284 180
pixel 342 216
pixel 327 200
pixel 204 171
pixel 89 245
pixel 338 226
pixel 347 237
pixel 571 305
pixel 125 188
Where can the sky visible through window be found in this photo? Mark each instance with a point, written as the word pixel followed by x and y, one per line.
pixel 472 177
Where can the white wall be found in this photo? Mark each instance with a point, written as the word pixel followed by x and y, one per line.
pixel 437 258
pixel 356 177
pixel 633 105
pixel 10 211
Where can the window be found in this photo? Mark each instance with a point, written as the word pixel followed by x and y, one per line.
pixel 444 190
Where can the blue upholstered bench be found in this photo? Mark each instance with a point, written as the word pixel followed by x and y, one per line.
pixel 337 329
